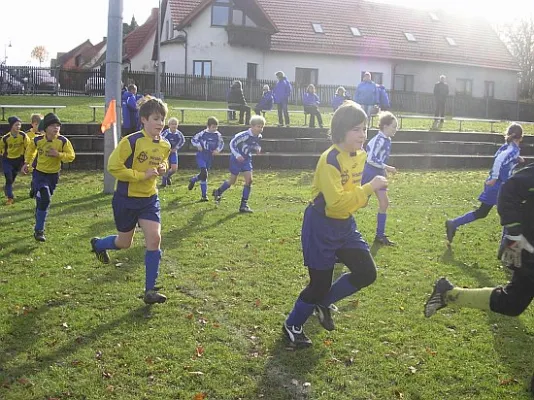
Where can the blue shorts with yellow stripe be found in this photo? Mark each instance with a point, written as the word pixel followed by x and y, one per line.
pixel 127 211
pixel 323 236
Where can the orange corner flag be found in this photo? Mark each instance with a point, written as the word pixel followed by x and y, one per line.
pixel 111 116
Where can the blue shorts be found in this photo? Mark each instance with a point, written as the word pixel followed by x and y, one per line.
pixel 173 159
pixel 42 180
pixel 12 166
pixel 127 211
pixel 236 167
pixel 490 194
pixel 323 236
pixel 369 172
pixel 204 159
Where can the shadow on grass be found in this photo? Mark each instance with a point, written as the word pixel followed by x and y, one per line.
pixel 24 333
pixel 512 340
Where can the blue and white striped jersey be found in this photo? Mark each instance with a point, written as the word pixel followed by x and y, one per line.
pixel 176 139
pixel 378 150
pixel 245 144
pixel 505 160
pixel 208 141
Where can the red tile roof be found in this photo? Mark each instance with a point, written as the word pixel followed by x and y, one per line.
pixel 382 27
pixel 136 40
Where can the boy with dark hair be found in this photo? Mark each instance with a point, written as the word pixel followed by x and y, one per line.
pixel 46 153
pixel 12 148
pixel 136 163
pixel 35 130
pixel 243 145
pixel 208 143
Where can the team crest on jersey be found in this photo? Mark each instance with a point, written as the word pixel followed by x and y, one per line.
pixel 142 157
pixel 344 177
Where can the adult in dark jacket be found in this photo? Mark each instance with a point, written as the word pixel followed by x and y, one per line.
pixel 130 112
pixel 367 94
pixel 236 101
pixel 266 101
pixel 441 91
pixel 281 94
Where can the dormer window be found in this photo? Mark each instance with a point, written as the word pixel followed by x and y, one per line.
pixel 318 28
pixel 410 37
pixel 451 41
pixel 433 16
pixel 355 31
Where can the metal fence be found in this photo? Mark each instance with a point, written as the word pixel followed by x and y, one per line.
pixel 68 82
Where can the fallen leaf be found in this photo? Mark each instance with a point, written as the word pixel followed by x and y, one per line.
pixel 294 382
pixel 107 375
pixel 216 325
pixel 399 395
pixel 197 373
pixel 189 316
pixel 509 381
pixel 25 381
pixel 65 325
pixel 98 355
pixel 110 388
pixel 306 384
pixel 199 351
pixel 401 308
pixel 431 352
pixel 328 342
pixel 75 363
pixel 349 361
pixel 200 396
pixel 258 303
pixel 413 370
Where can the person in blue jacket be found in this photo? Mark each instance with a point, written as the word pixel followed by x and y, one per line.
pixel 130 112
pixel 366 94
pixel 383 98
pixel 339 98
pixel 281 94
pixel 311 102
pixel 266 101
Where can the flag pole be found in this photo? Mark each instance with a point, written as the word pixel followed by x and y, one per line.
pixel 113 84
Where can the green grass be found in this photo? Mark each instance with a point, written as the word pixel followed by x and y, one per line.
pixel 72 328
pixel 78 111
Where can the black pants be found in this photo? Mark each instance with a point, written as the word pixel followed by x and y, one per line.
pixel 282 109
pixel 362 273
pixel 314 112
pixel 257 110
pixel 514 298
pixel 243 109
pixel 440 109
pixel 483 210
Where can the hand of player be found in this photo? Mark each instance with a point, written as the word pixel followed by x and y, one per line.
pixel 521 160
pixel 391 170
pixel 52 153
pixel 491 182
pixel 162 169
pixel 240 158
pixel 25 169
pixel 379 182
pixel 151 172
pixel 174 151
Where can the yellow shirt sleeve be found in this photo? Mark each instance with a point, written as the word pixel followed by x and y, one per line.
pixel 338 200
pixel 67 155
pixel 117 167
pixel 30 153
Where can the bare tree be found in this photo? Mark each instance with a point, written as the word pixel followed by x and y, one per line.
pixel 40 53
pixel 519 37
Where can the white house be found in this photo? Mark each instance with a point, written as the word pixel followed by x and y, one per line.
pixel 138 45
pixel 334 42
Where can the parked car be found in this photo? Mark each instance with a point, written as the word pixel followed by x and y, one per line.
pixel 36 80
pixel 95 85
pixel 9 84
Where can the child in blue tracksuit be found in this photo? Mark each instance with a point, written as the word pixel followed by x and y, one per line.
pixel 339 98
pixel 281 94
pixel 378 150
pixel 266 101
pixel 383 98
pixel 130 111
pixel 329 231
pixel 311 102
pixel 208 143
pixel 505 160
pixel 242 146
pixel 177 140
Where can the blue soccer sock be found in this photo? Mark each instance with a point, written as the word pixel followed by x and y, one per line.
pixel 8 190
pixel 300 313
pixel 152 259
pixel 106 243
pixel 40 218
pixel 204 188
pixel 381 224
pixel 224 187
pixel 340 289
pixel 246 193
pixel 170 173
pixel 464 219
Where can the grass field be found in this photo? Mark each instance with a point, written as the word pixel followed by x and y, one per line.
pixel 72 328
pixel 78 111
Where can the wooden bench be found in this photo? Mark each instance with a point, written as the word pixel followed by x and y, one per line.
pixel 184 109
pixel 20 106
pixel 465 119
pixel 94 110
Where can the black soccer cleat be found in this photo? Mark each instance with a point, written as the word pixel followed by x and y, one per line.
pixel 450 228
pixel 296 336
pixel 384 241
pixel 325 317
pixel 39 236
pixel 437 298
pixel 169 181
pixel 153 297
pixel 191 184
pixel 245 209
pixel 203 199
pixel 32 193
pixel 102 255
pixel 216 196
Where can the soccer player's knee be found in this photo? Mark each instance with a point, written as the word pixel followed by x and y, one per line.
pixel 249 183
pixel 511 304
pixel 482 212
pixel 174 167
pixel 153 241
pixel 365 276
pixel 203 176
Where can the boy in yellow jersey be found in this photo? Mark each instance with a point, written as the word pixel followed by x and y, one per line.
pixel 329 231
pixel 12 148
pixel 136 163
pixel 35 130
pixel 46 153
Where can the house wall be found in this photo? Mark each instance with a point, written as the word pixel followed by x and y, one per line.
pixel 142 61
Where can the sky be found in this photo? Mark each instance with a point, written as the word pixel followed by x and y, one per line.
pixel 61 25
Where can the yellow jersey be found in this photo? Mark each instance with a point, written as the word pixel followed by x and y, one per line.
pixel 135 154
pixel 336 184
pixel 33 133
pixel 14 145
pixel 37 153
